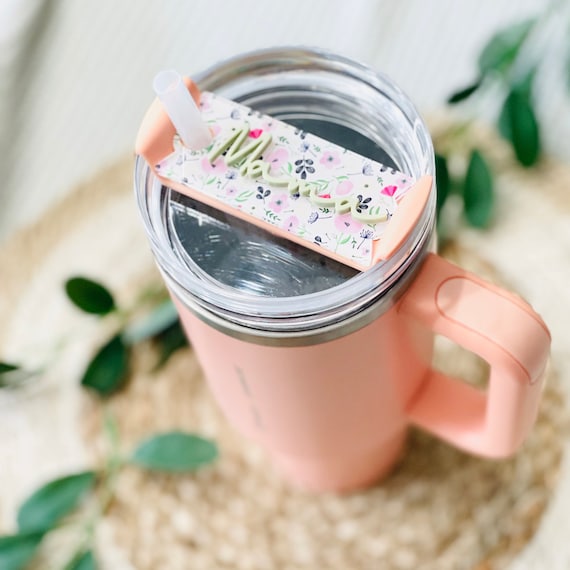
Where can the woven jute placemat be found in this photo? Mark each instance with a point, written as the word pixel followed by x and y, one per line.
pixel 440 508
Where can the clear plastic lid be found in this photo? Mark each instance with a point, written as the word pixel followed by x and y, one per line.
pixel 242 273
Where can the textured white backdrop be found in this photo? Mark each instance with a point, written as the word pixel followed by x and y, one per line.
pixel 75 77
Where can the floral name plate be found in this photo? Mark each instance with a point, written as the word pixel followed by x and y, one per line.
pixel 294 184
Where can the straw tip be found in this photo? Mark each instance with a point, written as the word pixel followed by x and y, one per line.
pixel 182 109
pixel 165 81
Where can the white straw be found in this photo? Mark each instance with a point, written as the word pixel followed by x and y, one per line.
pixel 182 110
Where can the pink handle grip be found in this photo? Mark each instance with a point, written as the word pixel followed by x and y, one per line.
pixel 504 331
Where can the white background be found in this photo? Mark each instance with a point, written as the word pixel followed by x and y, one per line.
pixel 75 76
pixel 75 80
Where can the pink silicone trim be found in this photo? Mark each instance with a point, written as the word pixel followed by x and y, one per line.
pixel 503 330
pixel 404 223
pixel 154 142
pixel 156 133
pixel 404 220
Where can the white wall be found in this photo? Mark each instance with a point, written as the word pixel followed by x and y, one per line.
pixel 77 75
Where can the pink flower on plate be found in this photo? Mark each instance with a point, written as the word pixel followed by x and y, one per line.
pixel 291 224
pixel 231 191
pixel 344 187
pixel 269 126
pixel 279 202
pixel 255 133
pixel 277 158
pixel 216 167
pixel 346 224
pixel 330 158
pixel 389 190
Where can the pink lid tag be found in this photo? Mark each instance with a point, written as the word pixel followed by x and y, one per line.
pixel 292 183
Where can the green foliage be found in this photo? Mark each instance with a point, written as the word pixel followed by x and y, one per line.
pixel 160 319
pixel 6 367
pixel 169 341
pixel 478 191
pixel 108 370
pixel 502 49
pixel 18 549
pixel 443 181
pixel 518 124
pixel 51 502
pixel 89 296
pixel 464 93
pixel 84 561
pixel 163 327
pixel 517 120
pixel 567 67
pixel 12 375
pixel 174 452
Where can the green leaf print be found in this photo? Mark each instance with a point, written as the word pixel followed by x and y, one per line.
pixel 245 195
pixel 272 216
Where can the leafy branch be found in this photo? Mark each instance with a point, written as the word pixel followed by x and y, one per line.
pixel 46 509
pixel 89 494
pixel 152 318
pixel 508 65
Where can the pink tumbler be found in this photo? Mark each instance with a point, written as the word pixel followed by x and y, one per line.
pixel 324 366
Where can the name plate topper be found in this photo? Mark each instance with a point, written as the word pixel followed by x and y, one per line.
pixel 296 184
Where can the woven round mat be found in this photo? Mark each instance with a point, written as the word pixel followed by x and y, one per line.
pixel 440 508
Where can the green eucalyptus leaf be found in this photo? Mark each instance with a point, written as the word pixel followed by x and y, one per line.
pixel 89 296
pixel 46 506
pixel 478 193
pixel 17 378
pixel 174 452
pixel 108 370
pixel 156 322
pixel 518 124
pixel 464 93
pixel 83 561
pixel 13 376
pixel 504 123
pixel 17 550
pixel 525 83
pixel 7 367
pixel 442 181
pixel 502 49
pixel 169 341
pixel 568 69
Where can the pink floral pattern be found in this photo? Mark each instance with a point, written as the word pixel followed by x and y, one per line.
pixel 334 172
pixel 346 224
pixel 330 159
pixel 217 167
pixel 291 223
pixel 345 187
pixel 279 202
pixel 277 159
pixel 389 190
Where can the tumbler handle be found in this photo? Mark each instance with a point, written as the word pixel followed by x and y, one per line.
pixel 502 329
